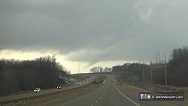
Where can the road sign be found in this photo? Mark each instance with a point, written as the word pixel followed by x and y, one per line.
pixel 135 78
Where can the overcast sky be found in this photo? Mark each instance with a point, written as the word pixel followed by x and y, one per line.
pixel 92 32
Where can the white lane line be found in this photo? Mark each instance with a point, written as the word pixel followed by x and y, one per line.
pixel 126 96
pixel 80 97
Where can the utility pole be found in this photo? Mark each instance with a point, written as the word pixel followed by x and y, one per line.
pixel 78 68
pixel 156 58
pixel 165 72
pixel 159 56
pixel 127 68
pixel 151 73
pixel 143 75
pixel 119 66
pixel 98 68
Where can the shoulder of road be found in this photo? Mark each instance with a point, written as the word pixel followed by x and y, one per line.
pixel 136 90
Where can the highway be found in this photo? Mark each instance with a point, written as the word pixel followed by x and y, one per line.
pixel 110 93
pixel 43 92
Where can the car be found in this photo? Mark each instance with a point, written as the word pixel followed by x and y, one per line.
pixel 112 81
pixel 37 90
pixel 58 87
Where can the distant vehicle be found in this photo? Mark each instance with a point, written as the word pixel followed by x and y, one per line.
pixel 37 90
pixel 58 87
pixel 68 83
pixel 112 81
pixel 86 80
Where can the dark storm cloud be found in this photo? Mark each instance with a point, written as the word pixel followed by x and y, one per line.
pixel 104 29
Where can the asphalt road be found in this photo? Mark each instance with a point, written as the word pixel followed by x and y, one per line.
pixel 112 94
pixel 43 92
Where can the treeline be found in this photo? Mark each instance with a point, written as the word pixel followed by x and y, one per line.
pixel 176 71
pixel 16 75
pixel 100 69
pixel 178 67
pixel 141 74
pixel 133 73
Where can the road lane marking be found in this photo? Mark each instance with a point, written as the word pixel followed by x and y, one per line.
pixel 126 96
pixel 81 97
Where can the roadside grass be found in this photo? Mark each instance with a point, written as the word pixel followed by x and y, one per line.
pixel 54 98
pixel 161 88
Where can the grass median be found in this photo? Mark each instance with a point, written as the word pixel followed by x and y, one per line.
pixel 54 98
